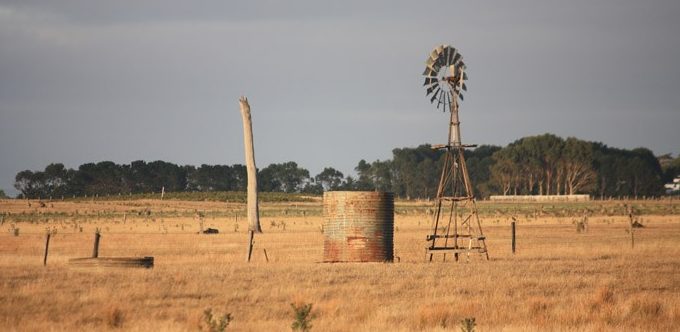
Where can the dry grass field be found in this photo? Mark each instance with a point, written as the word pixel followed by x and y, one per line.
pixel 558 280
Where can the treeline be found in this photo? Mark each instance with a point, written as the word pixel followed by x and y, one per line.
pixel 538 165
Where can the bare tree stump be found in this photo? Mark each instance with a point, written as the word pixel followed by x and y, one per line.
pixel 253 210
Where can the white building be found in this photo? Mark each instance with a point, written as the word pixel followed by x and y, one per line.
pixel 673 187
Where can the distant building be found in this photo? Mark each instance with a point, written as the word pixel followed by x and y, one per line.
pixel 674 187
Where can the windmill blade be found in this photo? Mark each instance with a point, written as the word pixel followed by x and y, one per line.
pixel 432 64
pixel 449 61
pixel 435 95
pixel 434 55
pixel 430 89
pixel 457 59
pixel 439 50
pixel 434 58
pixel 461 66
pixel 464 87
pixel 429 61
pixel 439 62
pixel 445 55
pixel 452 87
pixel 430 80
pixel 461 96
pixel 430 72
pixel 441 99
pixel 465 77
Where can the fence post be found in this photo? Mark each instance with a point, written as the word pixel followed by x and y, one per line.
pixel 95 250
pixel 513 237
pixel 47 246
pixel 250 244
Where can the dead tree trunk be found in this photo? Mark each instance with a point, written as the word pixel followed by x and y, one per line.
pixel 253 211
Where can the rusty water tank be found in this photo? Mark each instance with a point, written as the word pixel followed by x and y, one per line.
pixel 358 226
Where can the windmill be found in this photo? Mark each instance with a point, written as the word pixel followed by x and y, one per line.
pixel 455 224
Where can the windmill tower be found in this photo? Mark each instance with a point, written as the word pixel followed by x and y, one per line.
pixel 455 224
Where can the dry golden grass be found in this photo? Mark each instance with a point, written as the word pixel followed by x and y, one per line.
pixel 558 279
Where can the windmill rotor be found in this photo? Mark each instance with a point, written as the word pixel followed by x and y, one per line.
pixel 445 76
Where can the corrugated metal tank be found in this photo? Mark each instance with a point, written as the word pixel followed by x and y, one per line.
pixel 358 226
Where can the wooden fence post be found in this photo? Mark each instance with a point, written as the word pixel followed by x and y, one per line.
pixel 513 237
pixel 632 228
pixel 95 250
pixel 47 246
pixel 250 244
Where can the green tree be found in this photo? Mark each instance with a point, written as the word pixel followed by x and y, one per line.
pixel 285 177
pixel 30 184
pixel 479 162
pixel 577 165
pixel 382 176
pixel 671 170
pixel 57 180
pixel 414 171
pixel 365 180
pixel 329 178
pixel 504 170
pixel 627 172
pixel 101 178
pixel 213 178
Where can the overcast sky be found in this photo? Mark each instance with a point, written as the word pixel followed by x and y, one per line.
pixel 329 83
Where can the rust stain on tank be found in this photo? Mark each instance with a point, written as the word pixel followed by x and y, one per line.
pixel 358 226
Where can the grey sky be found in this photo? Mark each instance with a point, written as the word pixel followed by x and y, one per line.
pixel 330 83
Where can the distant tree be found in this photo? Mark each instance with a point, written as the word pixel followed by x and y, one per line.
pixel 626 172
pixel 164 174
pixel 3 195
pixel 543 164
pixel 577 166
pixel 240 175
pixel 349 183
pixel 382 176
pixel 645 173
pixel 101 178
pixel 549 149
pixel 414 172
pixel 312 187
pixel 504 170
pixel 671 170
pixel 285 177
pixel 365 176
pixel 58 180
pixel 213 178
pixel 29 184
pixel 329 178
pixel 479 162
